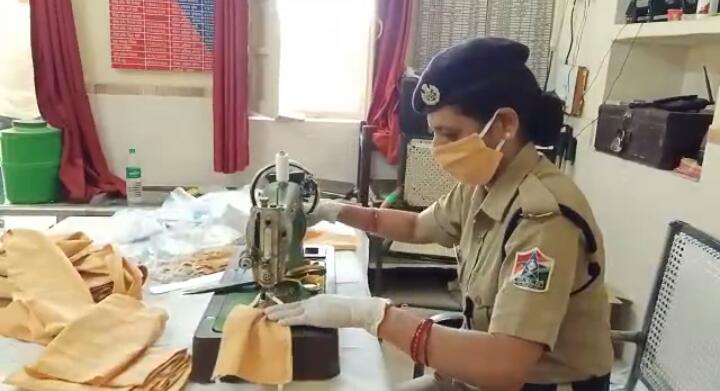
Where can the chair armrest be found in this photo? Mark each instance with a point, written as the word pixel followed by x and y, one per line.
pixel 636 337
pixel 449 319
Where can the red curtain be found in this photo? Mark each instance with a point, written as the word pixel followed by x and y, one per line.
pixel 63 101
pixel 390 50
pixel 230 86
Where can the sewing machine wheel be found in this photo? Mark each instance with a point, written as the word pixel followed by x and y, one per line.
pixel 298 174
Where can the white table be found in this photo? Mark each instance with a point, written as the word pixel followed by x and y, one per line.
pixel 361 360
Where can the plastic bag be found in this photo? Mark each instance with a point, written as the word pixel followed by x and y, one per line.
pixel 174 240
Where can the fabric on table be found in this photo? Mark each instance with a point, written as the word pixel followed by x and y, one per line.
pixel 6 288
pixel 254 348
pixel 340 241
pixel 3 261
pixel 49 293
pixel 209 261
pixel 108 348
pixel 200 263
pixel 103 269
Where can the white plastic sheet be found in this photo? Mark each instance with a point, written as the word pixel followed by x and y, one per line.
pixel 184 225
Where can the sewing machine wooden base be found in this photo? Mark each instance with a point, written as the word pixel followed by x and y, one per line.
pixel 315 351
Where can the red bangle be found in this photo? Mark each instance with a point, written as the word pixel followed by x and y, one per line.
pixel 426 343
pixel 417 339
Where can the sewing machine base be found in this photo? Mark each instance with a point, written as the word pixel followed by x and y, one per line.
pixel 315 351
pixel 315 354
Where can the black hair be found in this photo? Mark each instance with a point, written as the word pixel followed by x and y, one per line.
pixel 540 113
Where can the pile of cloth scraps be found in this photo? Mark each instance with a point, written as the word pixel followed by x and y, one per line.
pixel 198 264
pixel 89 346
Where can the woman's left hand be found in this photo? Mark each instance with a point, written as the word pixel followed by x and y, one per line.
pixel 331 311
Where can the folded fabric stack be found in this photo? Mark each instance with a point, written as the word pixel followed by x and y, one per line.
pixel 103 269
pixel 44 291
pixel 108 348
pixel 89 346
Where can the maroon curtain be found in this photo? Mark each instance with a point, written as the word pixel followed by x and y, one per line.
pixel 390 51
pixel 230 86
pixel 63 101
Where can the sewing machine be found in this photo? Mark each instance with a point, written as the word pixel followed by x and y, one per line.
pixel 282 271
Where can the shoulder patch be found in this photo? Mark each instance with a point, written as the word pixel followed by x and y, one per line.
pixel 532 271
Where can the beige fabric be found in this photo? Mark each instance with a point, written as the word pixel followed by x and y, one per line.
pixel 339 241
pixel 3 261
pixel 107 348
pixel 6 288
pixel 254 348
pixel 574 330
pixel 49 292
pixel 103 269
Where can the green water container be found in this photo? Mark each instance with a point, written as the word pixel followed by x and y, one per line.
pixel 30 162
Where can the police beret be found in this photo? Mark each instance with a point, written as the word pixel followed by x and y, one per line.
pixel 466 69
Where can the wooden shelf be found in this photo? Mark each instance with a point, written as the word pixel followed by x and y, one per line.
pixel 681 33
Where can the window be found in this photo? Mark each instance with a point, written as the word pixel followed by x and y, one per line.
pixel 442 23
pixel 318 62
pixel 17 88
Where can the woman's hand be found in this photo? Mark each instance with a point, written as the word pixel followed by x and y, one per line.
pixel 324 211
pixel 331 311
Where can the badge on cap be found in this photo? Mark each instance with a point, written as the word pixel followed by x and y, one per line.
pixel 429 94
pixel 532 271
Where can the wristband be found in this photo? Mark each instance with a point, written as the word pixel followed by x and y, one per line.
pixel 391 199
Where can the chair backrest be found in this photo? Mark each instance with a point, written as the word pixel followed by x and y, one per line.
pixel 682 325
pixel 423 179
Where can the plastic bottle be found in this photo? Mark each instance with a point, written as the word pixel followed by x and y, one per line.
pixel 133 179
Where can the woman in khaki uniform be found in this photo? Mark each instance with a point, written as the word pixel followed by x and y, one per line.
pixel 531 255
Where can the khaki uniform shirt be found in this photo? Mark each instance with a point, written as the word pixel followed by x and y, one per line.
pixel 528 294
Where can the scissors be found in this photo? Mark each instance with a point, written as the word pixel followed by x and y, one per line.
pixel 226 288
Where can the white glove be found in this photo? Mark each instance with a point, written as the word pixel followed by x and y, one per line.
pixel 324 211
pixel 331 311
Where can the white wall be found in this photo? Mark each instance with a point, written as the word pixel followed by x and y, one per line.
pixel 173 134
pixel 634 203
pixel 174 139
pixel 17 88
